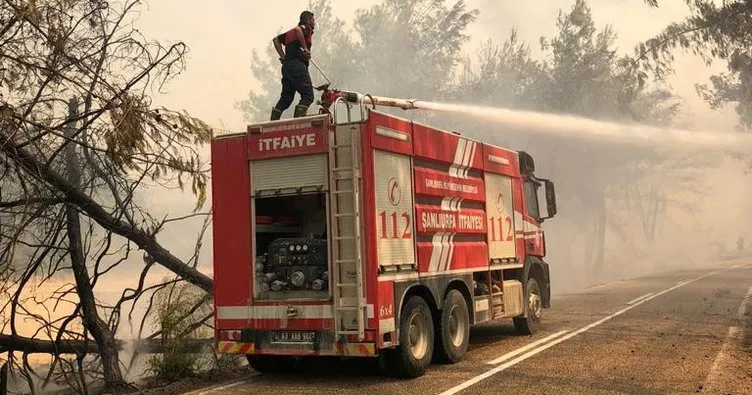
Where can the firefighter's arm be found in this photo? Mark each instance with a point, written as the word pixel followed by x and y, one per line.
pixel 278 47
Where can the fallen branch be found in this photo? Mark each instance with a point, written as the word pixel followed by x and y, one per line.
pixel 107 221
pixel 29 201
pixel 10 343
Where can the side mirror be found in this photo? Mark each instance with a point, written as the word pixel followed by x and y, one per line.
pixel 550 199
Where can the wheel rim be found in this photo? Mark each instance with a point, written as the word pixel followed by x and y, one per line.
pixel 457 326
pixel 534 304
pixel 418 336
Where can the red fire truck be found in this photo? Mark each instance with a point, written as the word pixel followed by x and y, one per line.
pixel 379 237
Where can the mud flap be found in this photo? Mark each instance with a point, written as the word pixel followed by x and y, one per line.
pixel 546 291
pixel 544 283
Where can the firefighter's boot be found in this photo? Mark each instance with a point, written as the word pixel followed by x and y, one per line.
pixel 276 114
pixel 301 110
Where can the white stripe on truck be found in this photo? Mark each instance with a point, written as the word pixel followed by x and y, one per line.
pixel 278 312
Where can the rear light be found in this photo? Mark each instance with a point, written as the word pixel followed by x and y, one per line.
pixel 229 335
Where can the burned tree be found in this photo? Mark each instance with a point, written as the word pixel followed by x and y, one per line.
pixel 80 144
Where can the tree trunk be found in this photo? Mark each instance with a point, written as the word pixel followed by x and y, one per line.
pixel 4 379
pixel 589 239
pixel 108 349
pixel 600 243
pixel 656 199
pixel 598 248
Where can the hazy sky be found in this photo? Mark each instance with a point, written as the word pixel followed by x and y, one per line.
pixel 222 33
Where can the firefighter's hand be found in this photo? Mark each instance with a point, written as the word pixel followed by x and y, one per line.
pixel 306 53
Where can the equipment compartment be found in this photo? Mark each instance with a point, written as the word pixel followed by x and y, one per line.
pixel 292 259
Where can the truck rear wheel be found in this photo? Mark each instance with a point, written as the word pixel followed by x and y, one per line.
pixel 413 355
pixel 453 332
pixel 528 323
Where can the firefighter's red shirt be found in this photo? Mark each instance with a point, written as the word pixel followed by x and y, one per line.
pixel 292 46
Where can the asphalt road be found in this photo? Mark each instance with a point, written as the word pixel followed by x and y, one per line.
pixel 680 332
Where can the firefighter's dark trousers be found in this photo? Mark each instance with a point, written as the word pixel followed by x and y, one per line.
pixel 295 78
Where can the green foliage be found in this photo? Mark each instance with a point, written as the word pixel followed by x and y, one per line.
pixel 416 41
pixel 580 73
pixel 733 87
pixel 581 69
pixel 712 31
pixel 179 308
pixel 506 75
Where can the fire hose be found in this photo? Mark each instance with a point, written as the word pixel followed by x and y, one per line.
pixel 330 95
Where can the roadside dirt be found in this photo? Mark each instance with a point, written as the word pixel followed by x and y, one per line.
pixel 204 380
pixel 732 373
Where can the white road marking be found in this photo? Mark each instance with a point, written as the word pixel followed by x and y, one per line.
pixel 715 370
pixel 734 333
pixel 204 391
pixel 739 265
pixel 540 349
pixel 633 301
pixel 518 351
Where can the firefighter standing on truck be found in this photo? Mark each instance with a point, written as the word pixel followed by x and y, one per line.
pixel 295 77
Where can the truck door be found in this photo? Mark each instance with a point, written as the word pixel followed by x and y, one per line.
pixel 500 214
pixel 531 228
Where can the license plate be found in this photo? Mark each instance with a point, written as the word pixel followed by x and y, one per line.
pixel 293 336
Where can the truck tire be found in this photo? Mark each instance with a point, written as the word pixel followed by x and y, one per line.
pixel 266 364
pixel 453 331
pixel 528 323
pixel 411 358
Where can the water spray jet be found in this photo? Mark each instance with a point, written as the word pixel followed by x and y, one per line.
pixel 548 123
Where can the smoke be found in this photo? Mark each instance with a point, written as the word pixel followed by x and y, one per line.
pixel 633 199
pixel 575 126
